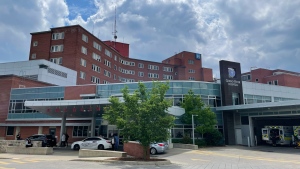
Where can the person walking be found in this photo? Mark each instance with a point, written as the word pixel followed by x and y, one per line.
pixel 18 136
pixel 63 139
pixel 116 138
pixel 67 138
pixel 113 143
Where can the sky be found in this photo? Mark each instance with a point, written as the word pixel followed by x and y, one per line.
pixel 258 34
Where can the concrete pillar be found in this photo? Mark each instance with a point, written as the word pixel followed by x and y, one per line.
pixel 63 125
pixel 93 124
pixel 40 131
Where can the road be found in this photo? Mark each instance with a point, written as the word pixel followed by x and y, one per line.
pixel 233 157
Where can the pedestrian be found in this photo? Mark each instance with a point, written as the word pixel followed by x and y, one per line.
pixel 116 138
pixel 18 136
pixel 67 138
pixel 113 143
pixel 28 143
pixel 63 139
pixel 274 137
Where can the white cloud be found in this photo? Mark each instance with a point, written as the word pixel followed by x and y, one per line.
pixel 255 33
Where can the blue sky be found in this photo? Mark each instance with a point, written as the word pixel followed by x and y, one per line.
pixel 255 33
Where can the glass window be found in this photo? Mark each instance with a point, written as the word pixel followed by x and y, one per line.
pixel 235 99
pixel 80 131
pixel 10 130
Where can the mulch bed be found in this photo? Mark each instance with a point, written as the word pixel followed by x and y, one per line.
pixel 135 159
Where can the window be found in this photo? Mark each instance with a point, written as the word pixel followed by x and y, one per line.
pixel 168 69
pixel 246 77
pixel 115 67
pixel 56 36
pixel 57 48
pixel 106 73
pixel 107 63
pixel 169 77
pixel 124 62
pixel 275 82
pixel 82 75
pixel 115 77
pixel 96 57
pixel 132 72
pixel 191 61
pixel 131 63
pixel 10 130
pixel 153 75
pixel 153 67
pixel 105 82
pixel 35 43
pixel 108 53
pixel 191 71
pixel 141 65
pixel 97 46
pixel 56 60
pixel 256 80
pixel 33 56
pixel 116 58
pixel 96 68
pixel 270 82
pixel 83 62
pixel 80 131
pixel 84 38
pixel 95 79
pixel 191 78
pixel 141 74
pixel 84 50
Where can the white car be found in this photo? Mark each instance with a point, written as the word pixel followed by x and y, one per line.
pixel 92 143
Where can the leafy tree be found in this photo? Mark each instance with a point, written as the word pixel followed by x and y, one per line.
pixel 205 119
pixel 142 115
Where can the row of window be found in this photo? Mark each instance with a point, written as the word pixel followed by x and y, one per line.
pixel 274 82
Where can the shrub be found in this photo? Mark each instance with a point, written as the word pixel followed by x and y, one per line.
pixel 200 143
pixel 213 137
pixel 186 140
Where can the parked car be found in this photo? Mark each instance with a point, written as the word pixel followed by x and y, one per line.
pixel 47 139
pixel 159 147
pixel 92 143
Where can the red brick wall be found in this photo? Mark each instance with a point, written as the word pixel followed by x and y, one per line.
pixel 207 74
pixel 73 92
pixel 122 48
pixel 260 74
pixel 3 132
pixel 8 82
pixel 72 54
pixel 135 149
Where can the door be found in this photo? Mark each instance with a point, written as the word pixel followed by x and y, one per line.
pixel 52 131
pixel 238 136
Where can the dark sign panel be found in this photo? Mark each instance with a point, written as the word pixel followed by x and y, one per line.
pixel 231 83
pixel 198 56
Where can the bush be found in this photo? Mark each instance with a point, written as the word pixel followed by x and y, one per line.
pixel 201 143
pixel 187 140
pixel 213 137
pixel 176 140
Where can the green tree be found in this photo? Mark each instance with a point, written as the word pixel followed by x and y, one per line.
pixel 205 119
pixel 142 115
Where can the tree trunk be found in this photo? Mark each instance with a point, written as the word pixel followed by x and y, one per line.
pixel 146 153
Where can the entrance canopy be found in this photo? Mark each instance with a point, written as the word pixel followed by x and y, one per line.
pixel 80 108
pixel 283 107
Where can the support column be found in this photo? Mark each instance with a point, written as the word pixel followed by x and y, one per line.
pixel 93 124
pixel 63 125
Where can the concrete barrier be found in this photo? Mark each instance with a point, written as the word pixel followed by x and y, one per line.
pixel 101 153
pixel 16 143
pixel 185 146
pixel 29 150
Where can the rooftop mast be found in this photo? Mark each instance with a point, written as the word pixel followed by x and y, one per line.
pixel 115 28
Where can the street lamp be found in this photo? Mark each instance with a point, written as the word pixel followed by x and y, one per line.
pixel 193 128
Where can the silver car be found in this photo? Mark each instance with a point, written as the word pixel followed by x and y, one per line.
pixel 159 147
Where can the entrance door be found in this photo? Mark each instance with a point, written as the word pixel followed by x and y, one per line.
pixel 238 136
pixel 52 131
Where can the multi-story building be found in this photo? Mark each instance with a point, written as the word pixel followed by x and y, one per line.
pixel 104 62
pixel 273 77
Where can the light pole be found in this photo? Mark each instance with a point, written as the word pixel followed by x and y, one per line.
pixel 193 128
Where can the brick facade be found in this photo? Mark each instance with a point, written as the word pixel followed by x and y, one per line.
pixel 281 77
pixel 71 56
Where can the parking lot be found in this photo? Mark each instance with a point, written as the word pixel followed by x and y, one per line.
pixel 263 157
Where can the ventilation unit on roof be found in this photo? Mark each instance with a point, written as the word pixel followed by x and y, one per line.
pixel 277 73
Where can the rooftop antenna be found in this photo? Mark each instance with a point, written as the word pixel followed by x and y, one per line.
pixel 115 28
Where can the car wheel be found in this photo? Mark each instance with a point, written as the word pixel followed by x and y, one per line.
pixel 100 147
pixel 152 151
pixel 76 147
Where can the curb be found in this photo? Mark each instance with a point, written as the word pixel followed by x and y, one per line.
pixel 167 162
